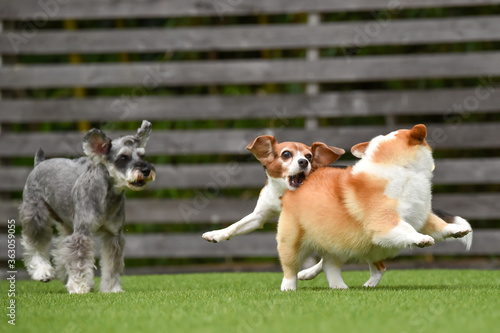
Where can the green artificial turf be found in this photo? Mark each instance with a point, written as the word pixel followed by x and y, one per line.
pixel 405 301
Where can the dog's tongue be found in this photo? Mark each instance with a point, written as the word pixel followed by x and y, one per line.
pixel 297 180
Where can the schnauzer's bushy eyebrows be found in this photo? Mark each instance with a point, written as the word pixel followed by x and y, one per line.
pixel 129 140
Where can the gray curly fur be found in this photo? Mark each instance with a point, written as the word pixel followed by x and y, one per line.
pixel 82 197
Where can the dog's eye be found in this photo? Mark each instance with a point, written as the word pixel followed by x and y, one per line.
pixel 286 155
pixel 123 158
pixel 309 157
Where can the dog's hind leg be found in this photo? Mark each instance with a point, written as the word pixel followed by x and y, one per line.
pixel 36 236
pixel 112 262
pixel 58 258
pixel 439 229
pixel 377 270
pixel 77 253
pixel 402 235
pixel 332 268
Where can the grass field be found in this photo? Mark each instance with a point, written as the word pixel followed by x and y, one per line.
pixel 405 301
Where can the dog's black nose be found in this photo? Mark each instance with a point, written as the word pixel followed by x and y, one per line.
pixel 303 163
pixel 146 171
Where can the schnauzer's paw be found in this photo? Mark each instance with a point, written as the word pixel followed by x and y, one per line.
pixel 425 241
pixel 43 273
pixel 115 289
pixel 215 236
pixel 78 288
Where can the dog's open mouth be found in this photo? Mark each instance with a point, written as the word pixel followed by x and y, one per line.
pixel 138 183
pixel 297 180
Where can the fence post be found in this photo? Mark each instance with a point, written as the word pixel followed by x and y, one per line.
pixel 78 92
pixel 312 89
pixel 2 162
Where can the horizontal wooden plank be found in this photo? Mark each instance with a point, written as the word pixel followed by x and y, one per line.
pixel 231 175
pixel 228 141
pixel 244 175
pixel 187 73
pixel 99 9
pixel 203 208
pixel 243 38
pixel 482 99
pixel 263 244
pixel 208 209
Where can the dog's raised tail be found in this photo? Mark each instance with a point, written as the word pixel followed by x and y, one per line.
pixel 39 156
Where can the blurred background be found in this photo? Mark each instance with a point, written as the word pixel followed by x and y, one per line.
pixel 211 75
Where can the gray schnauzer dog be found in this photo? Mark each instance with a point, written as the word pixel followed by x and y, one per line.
pixel 83 197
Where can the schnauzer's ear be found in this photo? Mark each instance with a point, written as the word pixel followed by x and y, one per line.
pixel 262 148
pixel 359 149
pixel 143 133
pixel 324 155
pixel 96 144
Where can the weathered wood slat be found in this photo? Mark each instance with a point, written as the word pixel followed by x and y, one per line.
pixel 180 142
pixel 354 69
pixel 203 209
pixel 213 209
pixel 482 99
pixel 251 175
pixel 405 32
pixel 232 175
pixel 98 9
pixel 263 244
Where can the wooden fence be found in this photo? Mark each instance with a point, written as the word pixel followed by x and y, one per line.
pixel 464 117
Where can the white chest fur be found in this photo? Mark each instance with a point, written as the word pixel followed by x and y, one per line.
pixel 270 197
pixel 413 192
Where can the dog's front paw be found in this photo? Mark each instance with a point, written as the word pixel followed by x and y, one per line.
pixel 288 284
pixel 110 287
pixel 115 289
pixel 78 288
pixel 215 236
pixel 43 273
pixel 425 241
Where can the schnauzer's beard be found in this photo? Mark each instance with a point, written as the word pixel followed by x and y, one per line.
pixel 133 179
pixel 136 180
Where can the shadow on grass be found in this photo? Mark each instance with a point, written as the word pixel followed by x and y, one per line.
pixel 400 288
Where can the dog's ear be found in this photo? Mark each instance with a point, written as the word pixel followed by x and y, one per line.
pixel 143 133
pixel 324 155
pixel 96 144
pixel 263 148
pixel 359 149
pixel 418 133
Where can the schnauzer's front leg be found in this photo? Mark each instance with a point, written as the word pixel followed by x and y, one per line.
pixel 112 262
pixel 77 253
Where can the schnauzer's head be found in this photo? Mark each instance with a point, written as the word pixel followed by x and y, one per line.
pixel 122 157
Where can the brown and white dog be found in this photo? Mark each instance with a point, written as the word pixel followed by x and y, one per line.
pixel 287 165
pixel 368 212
